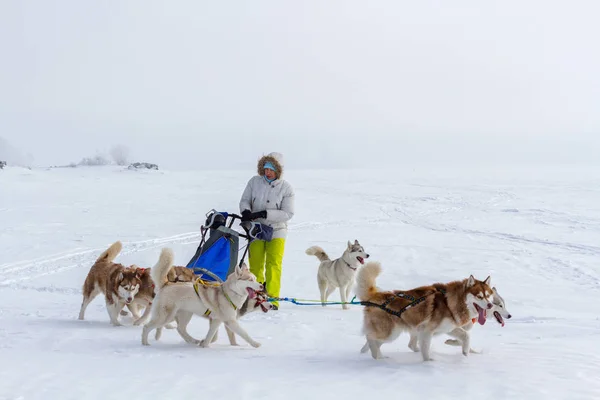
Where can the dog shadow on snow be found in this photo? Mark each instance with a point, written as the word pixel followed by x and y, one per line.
pixel 91 323
pixel 398 358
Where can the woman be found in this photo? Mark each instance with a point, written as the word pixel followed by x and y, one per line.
pixel 268 199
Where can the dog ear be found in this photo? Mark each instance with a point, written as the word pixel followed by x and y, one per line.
pixel 471 281
pixel 356 242
pixel 494 290
pixel 488 281
pixel 120 276
pixel 349 245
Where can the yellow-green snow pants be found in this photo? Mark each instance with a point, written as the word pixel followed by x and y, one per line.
pixel 265 262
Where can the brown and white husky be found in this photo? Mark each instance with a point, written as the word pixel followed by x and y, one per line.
pixel 118 283
pixel 442 308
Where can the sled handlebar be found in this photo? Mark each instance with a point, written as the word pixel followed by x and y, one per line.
pixel 232 217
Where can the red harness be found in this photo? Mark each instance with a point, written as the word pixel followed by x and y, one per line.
pixel 143 269
pixel 260 303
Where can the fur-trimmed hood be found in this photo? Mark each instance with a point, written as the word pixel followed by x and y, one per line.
pixel 276 198
pixel 276 159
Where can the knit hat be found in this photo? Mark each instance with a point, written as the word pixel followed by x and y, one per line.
pixel 275 163
pixel 269 165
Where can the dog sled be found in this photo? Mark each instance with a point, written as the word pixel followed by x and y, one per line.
pixel 217 256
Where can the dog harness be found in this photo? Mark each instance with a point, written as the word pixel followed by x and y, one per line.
pixel 398 313
pixel 204 283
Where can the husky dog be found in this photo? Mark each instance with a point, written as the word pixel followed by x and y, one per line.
pixel 181 274
pixel 250 305
pixel 143 298
pixel 146 294
pixel 338 273
pixel 499 312
pixel 176 274
pixel 180 301
pixel 118 283
pixel 426 311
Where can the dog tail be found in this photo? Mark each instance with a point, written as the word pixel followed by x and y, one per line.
pixel 159 272
pixel 111 253
pixel 318 252
pixel 365 280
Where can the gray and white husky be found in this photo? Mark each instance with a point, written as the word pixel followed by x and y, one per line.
pixel 338 273
pixel 499 312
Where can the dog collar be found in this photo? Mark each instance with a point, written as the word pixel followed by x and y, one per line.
pixel 348 265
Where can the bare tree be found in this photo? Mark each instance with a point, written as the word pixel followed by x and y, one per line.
pixel 120 154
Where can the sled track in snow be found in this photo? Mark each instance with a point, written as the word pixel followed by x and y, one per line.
pixel 30 269
pixel 444 228
pixel 554 264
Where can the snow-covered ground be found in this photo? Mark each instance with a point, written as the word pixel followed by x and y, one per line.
pixel 537 232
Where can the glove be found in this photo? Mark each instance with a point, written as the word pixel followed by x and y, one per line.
pixel 251 216
pixel 246 215
pixel 259 214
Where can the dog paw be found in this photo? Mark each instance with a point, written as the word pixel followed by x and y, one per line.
pixel 416 349
pixel 170 326
pixel 452 342
pixel 124 313
pixel 137 322
pixel 255 344
pixel 203 343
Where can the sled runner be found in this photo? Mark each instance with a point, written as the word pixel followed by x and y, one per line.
pixel 217 256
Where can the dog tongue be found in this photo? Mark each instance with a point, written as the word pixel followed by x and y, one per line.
pixel 251 292
pixel 481 316
pixel 499 318
pixel 361 260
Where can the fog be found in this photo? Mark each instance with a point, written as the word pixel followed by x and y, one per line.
pixel 330 84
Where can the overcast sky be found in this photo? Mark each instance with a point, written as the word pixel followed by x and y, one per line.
pixel 328 83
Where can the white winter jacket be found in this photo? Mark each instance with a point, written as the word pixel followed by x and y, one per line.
pixel 276 197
